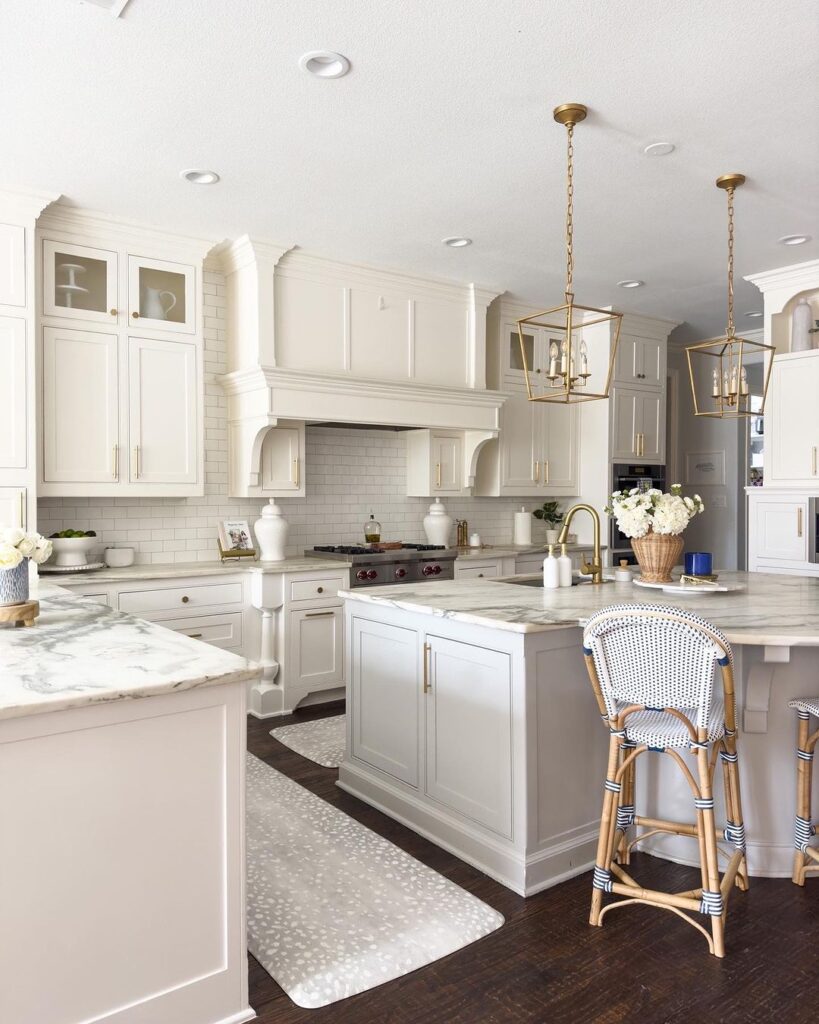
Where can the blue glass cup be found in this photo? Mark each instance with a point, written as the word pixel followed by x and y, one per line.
pixel 698 563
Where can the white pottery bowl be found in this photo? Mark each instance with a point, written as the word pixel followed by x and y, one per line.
pixel 72 550
pixel 119 558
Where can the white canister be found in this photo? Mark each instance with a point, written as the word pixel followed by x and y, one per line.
pixel 271 533
pixel 118 558
pixel 551 571
pixel 523 528
pixel 801 323
pixel 437 524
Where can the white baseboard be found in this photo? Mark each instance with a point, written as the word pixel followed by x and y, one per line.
pixel 765 860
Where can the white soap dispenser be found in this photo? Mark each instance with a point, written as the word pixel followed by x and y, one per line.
pixel 564 568
pixel 551 573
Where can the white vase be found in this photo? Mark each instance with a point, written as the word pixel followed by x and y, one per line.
pixel 801 323
pixel 437 524
pixel 271 533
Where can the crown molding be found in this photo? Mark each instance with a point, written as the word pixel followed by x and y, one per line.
pixel 246 250
pixel 26 203
pixel 796 276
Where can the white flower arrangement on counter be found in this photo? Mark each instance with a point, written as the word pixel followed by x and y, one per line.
pixel 17 544
pixel 640 512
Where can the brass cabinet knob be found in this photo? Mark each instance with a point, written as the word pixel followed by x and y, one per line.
pixel 185 599
pixel 113 312
pixel 135 316
pixel 320 590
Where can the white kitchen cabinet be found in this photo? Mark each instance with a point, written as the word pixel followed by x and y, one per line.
pixel 12 265
pixel 162 411
pixel 435 463
pixel 518 447
pixel 283 460
pixel 80 413
pixel 13 393
pixel 792 421
pixel 161 295
pixel 13 507
pixel 468 731
pixel 483 568
pixel 638 424
pixel 383 697
pixel 779 530
pixel 640 362
pixel 316 649
pixel 80 282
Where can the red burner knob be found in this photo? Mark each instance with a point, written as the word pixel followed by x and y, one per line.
pixel 361 574
pixel 436 569
pixel 372 574
pixel 428 570
pixel 400 573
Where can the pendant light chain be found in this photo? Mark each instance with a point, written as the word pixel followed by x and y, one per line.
pixel 730 331
pixel 570 214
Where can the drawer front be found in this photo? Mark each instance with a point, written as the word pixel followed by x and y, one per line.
pixel 316 590
pixel 100 596
pixel 180 599
pixel 220 630
pixel 477 571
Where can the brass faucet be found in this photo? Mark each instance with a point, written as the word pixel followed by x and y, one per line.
pixel 595 567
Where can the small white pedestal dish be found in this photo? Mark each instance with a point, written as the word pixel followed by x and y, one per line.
pixel 71 552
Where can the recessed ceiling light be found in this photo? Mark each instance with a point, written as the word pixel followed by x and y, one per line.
pixel 198 176
pixel 630 284
pixel 754 313
pixel 456 242
pixel 794 239
pixel 325 64
pixel 659 149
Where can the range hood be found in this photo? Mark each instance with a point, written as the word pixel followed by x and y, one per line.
pixel 287 308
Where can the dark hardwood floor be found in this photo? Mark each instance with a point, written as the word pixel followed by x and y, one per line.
pixel 547 966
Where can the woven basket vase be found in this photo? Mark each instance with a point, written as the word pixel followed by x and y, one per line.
pixel 657 554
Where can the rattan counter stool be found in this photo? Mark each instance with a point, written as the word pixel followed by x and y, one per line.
pixel 652 669
pixel 805 858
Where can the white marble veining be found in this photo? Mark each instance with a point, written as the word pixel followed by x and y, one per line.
pixel 174 570
pixel 772 610
pixel 81 652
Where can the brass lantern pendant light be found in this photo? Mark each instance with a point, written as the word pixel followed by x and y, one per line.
pixel 718 370
pixel 571 373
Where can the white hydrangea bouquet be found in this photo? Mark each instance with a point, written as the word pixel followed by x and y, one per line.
pixel 654 520
pixel 665 512
pixel 16 548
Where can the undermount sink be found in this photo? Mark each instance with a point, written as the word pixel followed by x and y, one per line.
pixel 537 581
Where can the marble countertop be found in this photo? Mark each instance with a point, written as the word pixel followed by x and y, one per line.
pixel 172 570
pixel 81 652
pixel 515 550
pixel 772 610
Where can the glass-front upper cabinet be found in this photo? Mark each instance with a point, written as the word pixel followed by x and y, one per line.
pixel 513 375
pixel 79 282
pixel 161 295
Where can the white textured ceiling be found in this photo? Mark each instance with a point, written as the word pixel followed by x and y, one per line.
pixel 443 127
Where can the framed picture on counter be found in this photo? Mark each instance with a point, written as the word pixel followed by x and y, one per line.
pixel 235 539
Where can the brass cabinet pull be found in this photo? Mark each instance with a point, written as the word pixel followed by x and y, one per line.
pixel 437 474
pixel 813 460
pixel 546 471
pixel 296 474
pixel 319 615
pixel 537 471
pixel 22 510
pixel 427 684
pixel 194 636
pixel 116 462
pixel 136 462
pixel 799 521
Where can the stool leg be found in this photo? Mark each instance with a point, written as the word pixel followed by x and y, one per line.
pixel 803 797
pixel 733 802
pixel 622 853
pixel 707 830
pixel 605 842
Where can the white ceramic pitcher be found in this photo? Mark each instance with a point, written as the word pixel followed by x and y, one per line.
pixel 153 307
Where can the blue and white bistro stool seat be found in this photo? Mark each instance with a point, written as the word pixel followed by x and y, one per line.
pixel 653 671
pixel 806 857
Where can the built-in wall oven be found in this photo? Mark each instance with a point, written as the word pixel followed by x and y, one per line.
pixel 625 477
pixel 813 530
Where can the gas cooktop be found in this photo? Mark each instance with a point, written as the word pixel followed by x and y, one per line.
pixel 374 566
pixel 355 549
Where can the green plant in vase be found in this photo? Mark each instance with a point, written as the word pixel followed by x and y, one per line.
pixel 551 516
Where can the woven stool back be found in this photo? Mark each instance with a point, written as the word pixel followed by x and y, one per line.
pixel 655 655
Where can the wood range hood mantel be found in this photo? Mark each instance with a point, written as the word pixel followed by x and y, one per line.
pixel 312 339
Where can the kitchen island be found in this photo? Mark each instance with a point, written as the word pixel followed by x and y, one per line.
pixel 470 717
pixel 122 749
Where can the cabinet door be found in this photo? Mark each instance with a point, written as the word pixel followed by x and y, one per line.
pixel 519 444
pixel 79 282
pixel 476 571
pixel 12 265
pixel 162 411
pixel 13 507
pixel 781 530
pixel 469 731
pixel 651 425
pixel 651 362
pixel 283 460
pixel 792 421
pixel 13 393
pixel 624 426
pixel 384 694
pixel 512 369
pixel 161 295
pixel 447 464
pixel 80 407
pixel 560 444
pixel 316 655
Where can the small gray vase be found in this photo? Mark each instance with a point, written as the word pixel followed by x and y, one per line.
pixel 14 585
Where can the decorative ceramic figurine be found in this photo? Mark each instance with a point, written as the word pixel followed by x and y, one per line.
pixel 271 533
pixel 437 523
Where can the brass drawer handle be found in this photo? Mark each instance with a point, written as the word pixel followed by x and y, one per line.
pixel 799 522
pixel 813 460
pixel 427 684
pixel 194 636
pixel 437 474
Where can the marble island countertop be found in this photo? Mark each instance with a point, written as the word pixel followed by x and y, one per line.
pixel 772 610
pixel 81 652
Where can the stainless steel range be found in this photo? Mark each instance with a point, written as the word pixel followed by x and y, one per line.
pixel 373 566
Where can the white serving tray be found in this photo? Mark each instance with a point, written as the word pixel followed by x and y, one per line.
pixel 678 587
pixel 46 568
